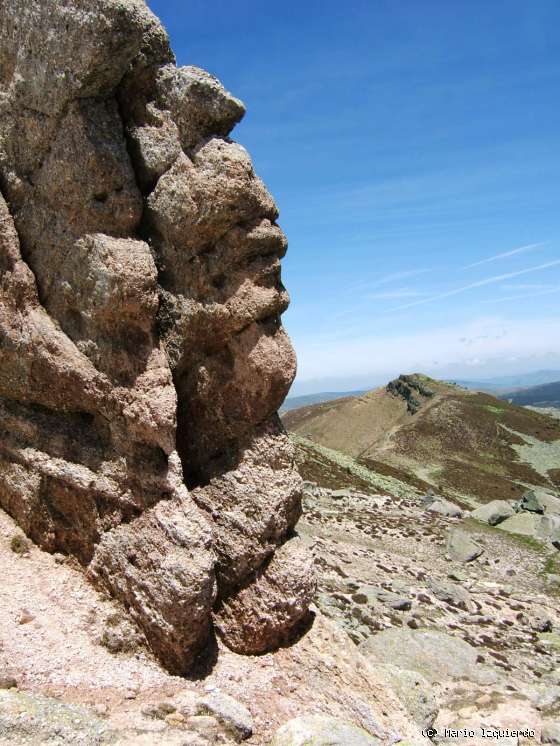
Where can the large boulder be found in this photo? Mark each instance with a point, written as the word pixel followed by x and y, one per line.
pixel 322 731
pixel 493 512
pixel 142 358
pixel 551 732
pixel 524 524
pixel 529 502
pixel 445 508
pixel 415 692
pixel 433 654
pixel 462 547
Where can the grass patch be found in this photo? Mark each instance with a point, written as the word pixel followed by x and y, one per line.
pixel 551 567
pixel 19 544
pixel 332 469
pixel 494 410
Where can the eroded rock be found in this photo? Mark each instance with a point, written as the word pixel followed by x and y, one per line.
pixel 141 350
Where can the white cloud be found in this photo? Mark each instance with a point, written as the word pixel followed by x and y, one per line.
pixel 484 340
pixel 395 294
pixel 478 284
pixel 505 254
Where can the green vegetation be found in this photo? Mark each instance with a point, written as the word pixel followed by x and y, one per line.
pixel 19 544
pixel 494 410
pixel 551 566
pixel 348 471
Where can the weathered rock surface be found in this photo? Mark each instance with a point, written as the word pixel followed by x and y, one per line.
pixel 493 512
pixel 433 654
pixel 322 731
pixel 461 547
pixel 415 692
pixel 446 508
pixel 142 359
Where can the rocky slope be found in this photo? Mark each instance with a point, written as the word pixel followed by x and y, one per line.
pixel 458 610
pixel 427 433
pixel 73 669
pixel 142 359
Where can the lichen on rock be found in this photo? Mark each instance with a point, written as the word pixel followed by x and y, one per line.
pixel 142 358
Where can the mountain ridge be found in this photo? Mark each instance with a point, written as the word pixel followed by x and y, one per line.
pixel 471 445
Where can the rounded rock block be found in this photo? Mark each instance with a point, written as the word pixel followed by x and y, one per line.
pixel 263 614
pixel 254 504
pixel 161 567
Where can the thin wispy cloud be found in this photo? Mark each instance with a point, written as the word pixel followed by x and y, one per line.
pixel 392 277
pixel 528 286
pixel 524 296
pixel 506 254
pixel 395 294
pixel 478 284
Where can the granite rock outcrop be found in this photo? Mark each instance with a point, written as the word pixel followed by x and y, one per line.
pixel 142 358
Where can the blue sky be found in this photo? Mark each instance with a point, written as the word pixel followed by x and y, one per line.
pixel 413 149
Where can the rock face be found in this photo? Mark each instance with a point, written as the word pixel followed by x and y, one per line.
pixel 142 359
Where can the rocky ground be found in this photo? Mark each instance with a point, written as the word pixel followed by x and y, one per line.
pixel 463 613
pixel 74 670
pixel 425 618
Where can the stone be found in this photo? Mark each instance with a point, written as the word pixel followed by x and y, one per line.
pixel 541 623
pixel 550 732
pixel 445 508
pixel 493 512
pixel 261 616
pixel 525 524
pixel 451 593
pixel 231 714
pixel 434 654
pixel 142 357
pixel 529 502
pixel 550 503
pixel 459 575
pixel 7 681
pixel 415 692
pixel 394 600
pixel 322 730
pixel 549 529
pixel 461 547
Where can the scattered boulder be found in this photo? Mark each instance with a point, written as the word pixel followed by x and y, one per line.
pixel 321 730
pixel 549 503
pixel 493 512
pixel 461 547
pixel 415 692
pixel 451 593
pixel 7 681
pixel 234 717
pixel 446 508
pixel 433 654
pixel 550 732
pixel 524 524
pixel 394 600
pixel 549 529
pixel 530 503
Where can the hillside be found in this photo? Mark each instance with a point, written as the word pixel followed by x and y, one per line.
pixel 305 400
pixel 546 395
pixel 431 434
